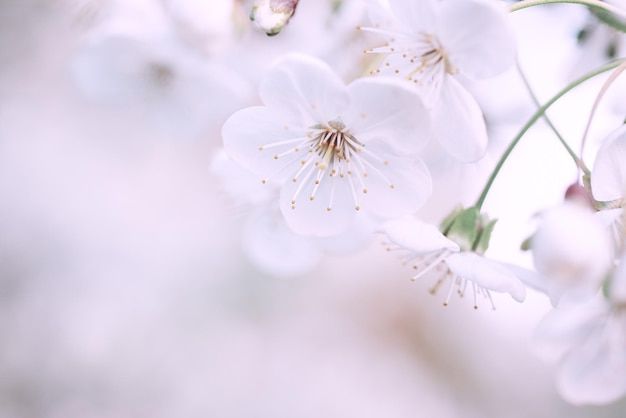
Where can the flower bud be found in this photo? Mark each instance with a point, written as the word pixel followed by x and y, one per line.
pixel 571 250
pixel 272 16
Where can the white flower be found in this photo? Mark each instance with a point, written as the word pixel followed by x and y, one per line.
pixel 571 249
pixel 338 151
pixel 136 59
pixel 432 253
pixel 608 183
pixel 432 43
pixel 590 342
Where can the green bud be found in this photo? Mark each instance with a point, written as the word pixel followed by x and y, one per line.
pixel 469 229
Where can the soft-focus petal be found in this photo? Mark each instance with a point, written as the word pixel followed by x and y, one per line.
pixel 571 249
pixel 419 237
pixel 594 372
pixel 485 273
pixel 458 122
pixel 305 87
pixel 476 36
pixel 608 177
pixel 241 184
pixel 566 327
pixel 388 110
pixel 274 248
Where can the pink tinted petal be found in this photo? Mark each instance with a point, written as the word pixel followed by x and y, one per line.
pixel 608 178
pixel 458 122
pixel 246 131
pixel 477 36
pixel 419 237
pixel 487 274
pixel 399 188
pixel 305 87
pixel 388 110
pixel 312 217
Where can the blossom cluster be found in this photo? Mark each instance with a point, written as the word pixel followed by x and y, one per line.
pixel 344 135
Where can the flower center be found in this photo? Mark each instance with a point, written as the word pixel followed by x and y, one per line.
pixel 420 58
pixel 334 145
pixel 161 74
pixel 327 154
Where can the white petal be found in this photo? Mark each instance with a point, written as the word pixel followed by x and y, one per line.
pixel 618 283
pixel 594 372
pixel 241 184
pixel 459 123
pixel 417 15
pixel 388 110
pixel 485 273
pixel 477 36
pixel 412 186
pixel 354 239
pixel 419 237
pixel 608 178
pixel 566 327
pixel 311 217
pixel 275 249
pixel 249 129
pixel 528 277
pixel 306 87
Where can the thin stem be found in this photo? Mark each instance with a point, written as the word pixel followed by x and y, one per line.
pixel 579 162
pixel 603 90
pixel 533 119
pixel 590 3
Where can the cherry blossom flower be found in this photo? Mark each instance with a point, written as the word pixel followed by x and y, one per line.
pixel 338 151
pixel 571 250
pixel 589 341
pixel 458 261
pixel 436 44
pixel 136 59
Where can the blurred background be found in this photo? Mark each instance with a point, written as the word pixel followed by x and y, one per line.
pixel 124 288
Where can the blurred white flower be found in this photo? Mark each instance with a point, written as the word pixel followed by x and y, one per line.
pixel 590 342
pixel 608 184
pixel 136 59
pixel 571 250
pixel 336 150
pixel 436 43
pixel 464 268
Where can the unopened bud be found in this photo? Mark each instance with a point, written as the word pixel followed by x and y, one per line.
pixel 576 193
pixel 272 16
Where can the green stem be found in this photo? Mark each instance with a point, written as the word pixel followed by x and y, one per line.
pixel 590 3
pixel 571 152
pixel 539 113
